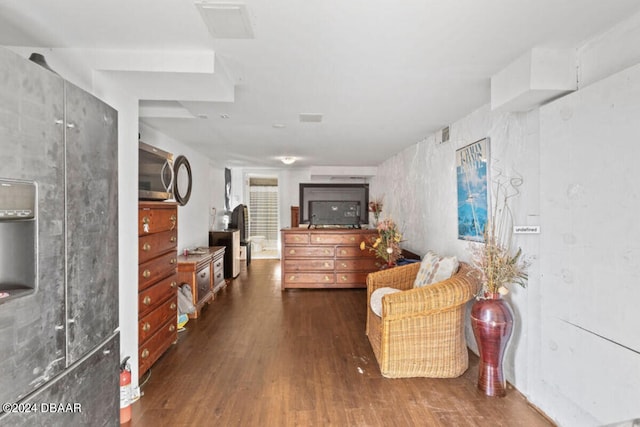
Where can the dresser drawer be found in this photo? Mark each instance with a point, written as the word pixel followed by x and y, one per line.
pixel 152 296
pixel 152 245
pixel 309 264
pixel 359 279
pixel 308 251
pixel 296 238
pixel 156 269
pixel 336 239
pixel 354 252
pixel 203 280
pixel 152 322
pixel 218 276
pixel 315 278
pixel 157 219
pixel 153 348
pixel 358 264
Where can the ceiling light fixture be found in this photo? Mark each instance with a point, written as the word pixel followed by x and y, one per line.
pixel 288 160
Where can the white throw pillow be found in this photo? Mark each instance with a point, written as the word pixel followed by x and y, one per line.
pixel 434 269
pixel 376 299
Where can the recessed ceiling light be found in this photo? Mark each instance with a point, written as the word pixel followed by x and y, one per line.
pixel 288 160
pixel 224 116
pixel 278 125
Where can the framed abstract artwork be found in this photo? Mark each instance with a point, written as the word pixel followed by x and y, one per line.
pixel 472 166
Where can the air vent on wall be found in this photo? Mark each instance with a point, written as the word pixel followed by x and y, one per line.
pixel 445 135
pixel 226 20
pixel 310 117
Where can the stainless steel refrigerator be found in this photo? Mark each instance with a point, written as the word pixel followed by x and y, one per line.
pixel 59 345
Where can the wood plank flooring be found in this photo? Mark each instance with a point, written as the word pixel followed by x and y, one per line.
pixel 261 357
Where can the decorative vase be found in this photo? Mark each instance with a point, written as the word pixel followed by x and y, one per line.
pixel 492 323
pixel 388 264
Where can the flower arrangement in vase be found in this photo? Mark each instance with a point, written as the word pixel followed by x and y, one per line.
pixel 498 262
pixel 387 244
pixel 375 207
pixel 500 266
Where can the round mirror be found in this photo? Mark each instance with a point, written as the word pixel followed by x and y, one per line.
pixel 182 187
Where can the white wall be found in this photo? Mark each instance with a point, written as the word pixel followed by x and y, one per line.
pixel 575 351
pixel 590 255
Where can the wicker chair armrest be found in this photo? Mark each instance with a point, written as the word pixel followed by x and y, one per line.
pixel 442 296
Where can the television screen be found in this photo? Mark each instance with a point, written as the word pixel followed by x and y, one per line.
pixel 334 212
pixel 332 193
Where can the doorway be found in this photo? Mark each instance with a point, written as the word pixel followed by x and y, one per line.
pixel 264 216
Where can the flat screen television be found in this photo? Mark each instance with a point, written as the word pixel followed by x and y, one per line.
pixel 334 212
pixel 333 193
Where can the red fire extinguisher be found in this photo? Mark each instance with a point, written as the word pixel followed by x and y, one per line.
pixel 125 391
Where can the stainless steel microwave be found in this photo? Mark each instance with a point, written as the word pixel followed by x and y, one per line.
pixel 155 173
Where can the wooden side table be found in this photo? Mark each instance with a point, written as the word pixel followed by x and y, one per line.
pixel 199 270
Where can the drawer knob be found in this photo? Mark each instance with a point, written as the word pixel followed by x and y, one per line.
pixel 292 252
pixel 326 264
pixel 145 224
pixel 327 251
pixel 146 300
pixel 353 239
pixel 146 247
pixel 326 278
pixel 343 252
pixel 174 284
pixel 344 265
pixel 173 220
pixel 344 278
pixel 173 261
pixel 173 306
pixel 172 328
pixel 292 277
pixel 144 354
pixel 203 274
pixel 172 239
pixel 146 274
pixel 146 327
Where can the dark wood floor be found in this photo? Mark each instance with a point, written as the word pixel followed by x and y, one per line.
pixel 261 357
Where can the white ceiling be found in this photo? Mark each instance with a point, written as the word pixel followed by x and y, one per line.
pixel 383 74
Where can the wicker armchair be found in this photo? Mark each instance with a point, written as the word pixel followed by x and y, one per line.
pixel 421 331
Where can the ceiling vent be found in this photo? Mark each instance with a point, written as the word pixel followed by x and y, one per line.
pixel 310 117
pixel 226 20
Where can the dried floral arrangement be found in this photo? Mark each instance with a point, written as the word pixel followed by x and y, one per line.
pixel 499 263
pixel 387 244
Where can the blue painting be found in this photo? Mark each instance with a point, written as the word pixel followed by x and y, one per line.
pixel 471 169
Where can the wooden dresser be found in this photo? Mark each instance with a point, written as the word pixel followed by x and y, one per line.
pixel 203 271
pixel 326 258
pixel 157 280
